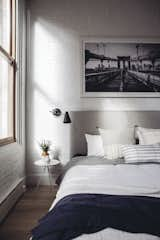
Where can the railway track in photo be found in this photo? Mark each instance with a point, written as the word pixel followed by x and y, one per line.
pixel 120 80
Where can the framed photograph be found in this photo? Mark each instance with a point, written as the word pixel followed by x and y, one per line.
pixel 121 68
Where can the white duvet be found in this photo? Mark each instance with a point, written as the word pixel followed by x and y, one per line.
pixel 121 179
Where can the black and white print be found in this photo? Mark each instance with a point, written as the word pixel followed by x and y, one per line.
pixel 121 67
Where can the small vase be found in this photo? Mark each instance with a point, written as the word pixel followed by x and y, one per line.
pixel 45 154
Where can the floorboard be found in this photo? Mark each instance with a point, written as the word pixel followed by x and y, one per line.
pixel 24 216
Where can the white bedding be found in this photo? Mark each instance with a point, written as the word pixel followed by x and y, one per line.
pixel 121 179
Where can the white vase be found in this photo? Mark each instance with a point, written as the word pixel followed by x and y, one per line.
pixel 46 159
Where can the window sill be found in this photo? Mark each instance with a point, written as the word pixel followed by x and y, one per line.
pixel 7 141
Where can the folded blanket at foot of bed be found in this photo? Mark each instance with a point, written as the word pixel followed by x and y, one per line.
pixel 79 214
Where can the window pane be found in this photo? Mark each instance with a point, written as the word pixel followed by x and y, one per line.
pixel 6 98
pixel 5 24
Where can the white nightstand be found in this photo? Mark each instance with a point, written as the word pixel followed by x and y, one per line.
pixel 46 167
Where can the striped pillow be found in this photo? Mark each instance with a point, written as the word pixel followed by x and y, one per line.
pixel 141 153
pixel 113 151
pixel 113 139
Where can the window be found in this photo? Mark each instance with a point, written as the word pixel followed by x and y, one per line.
pixel 7 71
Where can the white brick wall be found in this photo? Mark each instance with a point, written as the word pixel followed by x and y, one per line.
pixel 11 168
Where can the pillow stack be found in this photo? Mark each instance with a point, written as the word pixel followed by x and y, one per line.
pixel 108 144
pixel 120 144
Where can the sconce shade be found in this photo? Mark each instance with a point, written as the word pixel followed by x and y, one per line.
pixel 66 118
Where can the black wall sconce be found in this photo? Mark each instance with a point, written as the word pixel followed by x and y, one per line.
pixel 57 112
pixel 66 118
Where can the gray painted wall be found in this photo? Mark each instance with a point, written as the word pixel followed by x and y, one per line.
pixel 88 121
pixel 55 30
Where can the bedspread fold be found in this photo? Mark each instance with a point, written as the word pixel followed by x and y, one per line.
pixel 79 214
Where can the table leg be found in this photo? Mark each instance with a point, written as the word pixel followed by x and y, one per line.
pixel 38 183
pixel 39 180
pixel 50 177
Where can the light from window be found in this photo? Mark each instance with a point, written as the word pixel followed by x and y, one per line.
pixel 7 70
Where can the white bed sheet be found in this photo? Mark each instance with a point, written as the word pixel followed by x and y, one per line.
pixel 121 179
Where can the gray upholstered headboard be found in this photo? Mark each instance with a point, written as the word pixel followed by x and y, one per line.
pixel 87 121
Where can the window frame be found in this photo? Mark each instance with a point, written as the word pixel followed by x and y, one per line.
pixel 11 57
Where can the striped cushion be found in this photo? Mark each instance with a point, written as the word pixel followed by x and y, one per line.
pixel 113 151
pixel 113 139
pixel 141 153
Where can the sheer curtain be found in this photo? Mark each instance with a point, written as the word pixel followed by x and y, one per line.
pixel 6 92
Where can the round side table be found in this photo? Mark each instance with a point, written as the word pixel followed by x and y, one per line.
pixel 46 167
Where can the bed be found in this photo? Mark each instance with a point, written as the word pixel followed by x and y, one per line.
pixel 92 177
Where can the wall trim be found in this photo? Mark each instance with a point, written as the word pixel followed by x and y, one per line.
pixel 21 71
pixel 7 204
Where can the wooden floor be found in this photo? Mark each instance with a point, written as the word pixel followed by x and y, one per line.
pixel 24 216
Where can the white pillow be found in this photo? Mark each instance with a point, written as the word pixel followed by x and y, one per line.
pixel 141 153
pixel 148 135
pixel 149 138
pixel 114 139
pixel 94 145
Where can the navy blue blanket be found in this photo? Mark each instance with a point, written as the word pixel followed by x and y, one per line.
pixel 89 213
